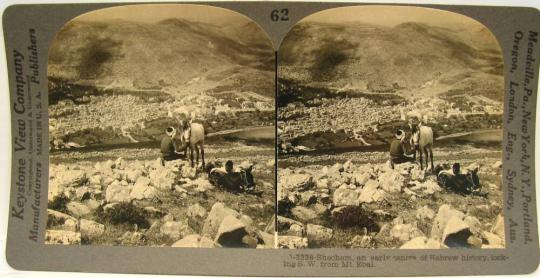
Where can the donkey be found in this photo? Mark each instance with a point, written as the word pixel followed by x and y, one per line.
pixel 422 140
pixel 193 137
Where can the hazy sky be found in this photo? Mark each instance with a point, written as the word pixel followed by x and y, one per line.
pixel 392 15
pixel 155 13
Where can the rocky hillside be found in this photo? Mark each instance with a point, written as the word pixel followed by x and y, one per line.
pixel 124 82
pixel 376 58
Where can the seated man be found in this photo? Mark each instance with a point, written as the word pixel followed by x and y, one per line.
pixel 231 180
pixel 456 181
pixel 169 148
pixel 398 152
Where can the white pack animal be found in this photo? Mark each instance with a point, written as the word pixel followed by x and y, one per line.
pixel 422 140
pixel 192 137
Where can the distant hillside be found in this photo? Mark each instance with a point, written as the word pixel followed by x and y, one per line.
pixel 408 56
pixel 169 53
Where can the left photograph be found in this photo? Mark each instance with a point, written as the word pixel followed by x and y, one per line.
pixel 161 129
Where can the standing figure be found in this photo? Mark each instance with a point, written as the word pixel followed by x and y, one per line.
pixel 422 140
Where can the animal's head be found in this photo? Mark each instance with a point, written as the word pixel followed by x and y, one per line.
pixel 249 181
pixel 170 131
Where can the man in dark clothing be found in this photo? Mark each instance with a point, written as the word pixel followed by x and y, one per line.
pixel 456 181
pixel 169 147
pixel 398 152
pixel 231 180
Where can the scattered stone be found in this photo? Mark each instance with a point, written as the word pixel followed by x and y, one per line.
pixel 61 221
pixel 131 238
pixel 391 181
pixel 77 209
pixel 345 197
pixel 497 165
pixel 91 228
pixel 195 241
pixel 405 232
pixel 318 233
pixel 303 214
pixel 162 178
pixel 62 237
pixel 421 242
pixel 196 212
pixel 360 179
pixel 498 226
pixel 296 182
pixel 116 192
pixel 370 192
pixel 417 174
pixel 362 241
pixel 295 230
pixel 308 198
pixel 292 242
pixel 175 230
pixel 425 213
pixel 493 240
pixel 142 190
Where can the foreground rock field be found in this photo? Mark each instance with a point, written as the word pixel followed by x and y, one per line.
pixel 134 200
pixel 355 200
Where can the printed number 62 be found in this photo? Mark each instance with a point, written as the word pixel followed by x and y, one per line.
pixel 280 15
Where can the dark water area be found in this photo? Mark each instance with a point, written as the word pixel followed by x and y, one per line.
pixel 486 139
pixel 251 136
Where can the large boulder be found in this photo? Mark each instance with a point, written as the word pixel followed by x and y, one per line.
pixel 91 228
pixel 195 241
pixel 218 212
pixel 345 197
pixel 62 237
pixel 456 233
pixel 175 230
pixel 292 242
pixel 231 232
pixel 318 233
pixel 444 214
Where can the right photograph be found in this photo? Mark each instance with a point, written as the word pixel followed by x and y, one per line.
pixel 389 131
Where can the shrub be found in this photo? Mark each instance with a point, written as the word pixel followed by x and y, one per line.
pixel 355 216
pixel 59 203
pixel 124 213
